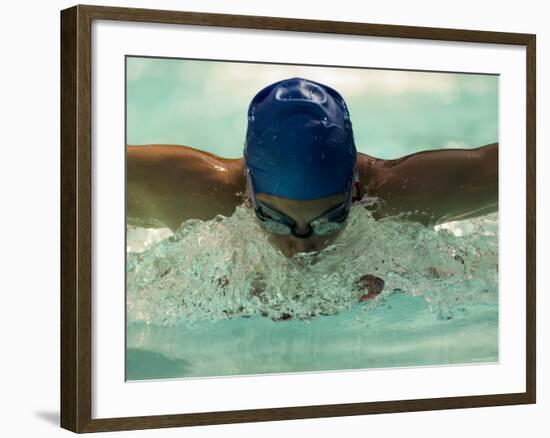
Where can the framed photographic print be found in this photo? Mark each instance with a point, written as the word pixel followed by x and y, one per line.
pixel 270 218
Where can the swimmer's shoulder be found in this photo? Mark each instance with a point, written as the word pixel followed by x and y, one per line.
pixel 183 159
pixel 371 171
pixel 173 183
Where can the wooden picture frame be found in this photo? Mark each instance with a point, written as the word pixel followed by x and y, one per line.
pixel 76 217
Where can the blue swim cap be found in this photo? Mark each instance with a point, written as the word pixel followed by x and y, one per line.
pixel 299 141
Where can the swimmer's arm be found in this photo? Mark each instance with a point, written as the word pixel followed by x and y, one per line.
pixel 434 186
pixel 168 184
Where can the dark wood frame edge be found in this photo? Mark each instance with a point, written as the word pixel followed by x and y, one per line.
pixel 76 226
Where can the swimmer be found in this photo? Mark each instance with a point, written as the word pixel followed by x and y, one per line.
pixel 302 172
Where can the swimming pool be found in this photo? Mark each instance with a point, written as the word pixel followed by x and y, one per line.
pixel 193 307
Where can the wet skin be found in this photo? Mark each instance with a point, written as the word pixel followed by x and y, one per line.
pixel 168 184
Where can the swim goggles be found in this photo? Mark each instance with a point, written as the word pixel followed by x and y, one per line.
pixel 276 222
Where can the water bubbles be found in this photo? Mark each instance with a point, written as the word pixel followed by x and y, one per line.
pixel 226 268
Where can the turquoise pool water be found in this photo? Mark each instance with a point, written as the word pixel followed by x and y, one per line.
pixel 439 305
pixel 192 310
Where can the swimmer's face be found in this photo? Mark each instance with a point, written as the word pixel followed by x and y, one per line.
pixel 303 212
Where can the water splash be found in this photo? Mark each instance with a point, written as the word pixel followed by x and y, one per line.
pixel 226 268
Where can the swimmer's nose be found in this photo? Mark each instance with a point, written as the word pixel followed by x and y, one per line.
pixel 304 245
pixel 302 229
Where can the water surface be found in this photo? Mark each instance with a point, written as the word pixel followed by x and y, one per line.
pixel 215 298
